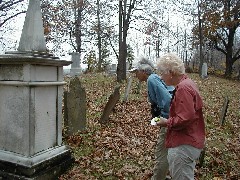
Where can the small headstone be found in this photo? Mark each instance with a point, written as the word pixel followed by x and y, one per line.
pixel 127 66
pixel 75 66
pixel 112 101
pixel 75 107
pixel 129 82
pixel 204 70
pixel 139 86
pixel 113 69
pixel 224 111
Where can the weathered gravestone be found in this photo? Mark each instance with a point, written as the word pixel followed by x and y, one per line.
pixel 224 111
pixel 75 66
pixel 128 87
pixel 112 101
pixel 75 107
pixel 127 66
pixel 139 86
pixel 204 70
pixel 113 69
pixel 31 88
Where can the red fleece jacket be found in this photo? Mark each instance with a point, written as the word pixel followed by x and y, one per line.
pixel 185 123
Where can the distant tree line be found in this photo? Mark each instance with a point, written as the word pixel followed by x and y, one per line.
pixel 220 24
pixel 88 27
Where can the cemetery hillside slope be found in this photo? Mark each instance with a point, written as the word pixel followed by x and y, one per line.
pixel 123 147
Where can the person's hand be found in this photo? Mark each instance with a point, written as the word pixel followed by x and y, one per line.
pixel 154 121
pixel 159 121
pixel 162 122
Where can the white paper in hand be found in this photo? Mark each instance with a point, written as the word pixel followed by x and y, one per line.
pixel 154 121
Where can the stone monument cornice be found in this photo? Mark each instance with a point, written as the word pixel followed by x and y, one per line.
pixel 33 59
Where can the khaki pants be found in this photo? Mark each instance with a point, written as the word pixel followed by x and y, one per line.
pixel 161 163
pixel 182 161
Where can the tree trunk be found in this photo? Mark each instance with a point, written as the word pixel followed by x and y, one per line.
pixel 121 68
pixel 99 38
pixel 78 26
pixel 228 70
pixel 124 21
pixel 229 54
pixel 201 53
pixel 121 72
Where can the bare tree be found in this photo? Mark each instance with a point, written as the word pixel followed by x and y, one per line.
pixel 99 37
pixel 66 19
pixel 125 13
pixel 10 10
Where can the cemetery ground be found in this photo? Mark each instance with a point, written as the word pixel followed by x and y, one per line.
pixel 123 148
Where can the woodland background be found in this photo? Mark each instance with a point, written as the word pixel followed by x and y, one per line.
pixel 124 147
pixel 103 31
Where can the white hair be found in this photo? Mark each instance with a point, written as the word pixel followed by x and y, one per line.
pixel 170 62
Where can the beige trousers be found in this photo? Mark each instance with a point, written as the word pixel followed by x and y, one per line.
pixel 161 163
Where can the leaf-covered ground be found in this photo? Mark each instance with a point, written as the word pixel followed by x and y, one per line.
pixel 124 147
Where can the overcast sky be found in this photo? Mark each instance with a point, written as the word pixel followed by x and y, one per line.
pixel 13 36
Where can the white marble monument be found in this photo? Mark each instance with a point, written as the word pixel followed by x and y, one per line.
pixel 31 89
pixel 113 69
pixel 204 71
pixel 75 66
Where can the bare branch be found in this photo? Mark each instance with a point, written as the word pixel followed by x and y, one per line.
pixel 10 17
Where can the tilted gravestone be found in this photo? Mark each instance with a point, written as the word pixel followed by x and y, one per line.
pixel 224 111
pixel 75 107
pixel 112 101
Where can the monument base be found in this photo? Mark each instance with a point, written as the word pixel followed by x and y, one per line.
pixel 38 167
pixel 75 71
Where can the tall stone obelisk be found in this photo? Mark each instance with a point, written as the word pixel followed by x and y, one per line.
pixel 32 38
pixel 31 89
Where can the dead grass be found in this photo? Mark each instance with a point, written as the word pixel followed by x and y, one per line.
pixel 124 148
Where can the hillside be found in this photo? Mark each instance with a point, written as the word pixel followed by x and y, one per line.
pixel 124 148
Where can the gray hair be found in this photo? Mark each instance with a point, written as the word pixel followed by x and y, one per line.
pixel 145 65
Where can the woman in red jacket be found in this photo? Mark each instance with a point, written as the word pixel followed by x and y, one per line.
pixel 185 126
